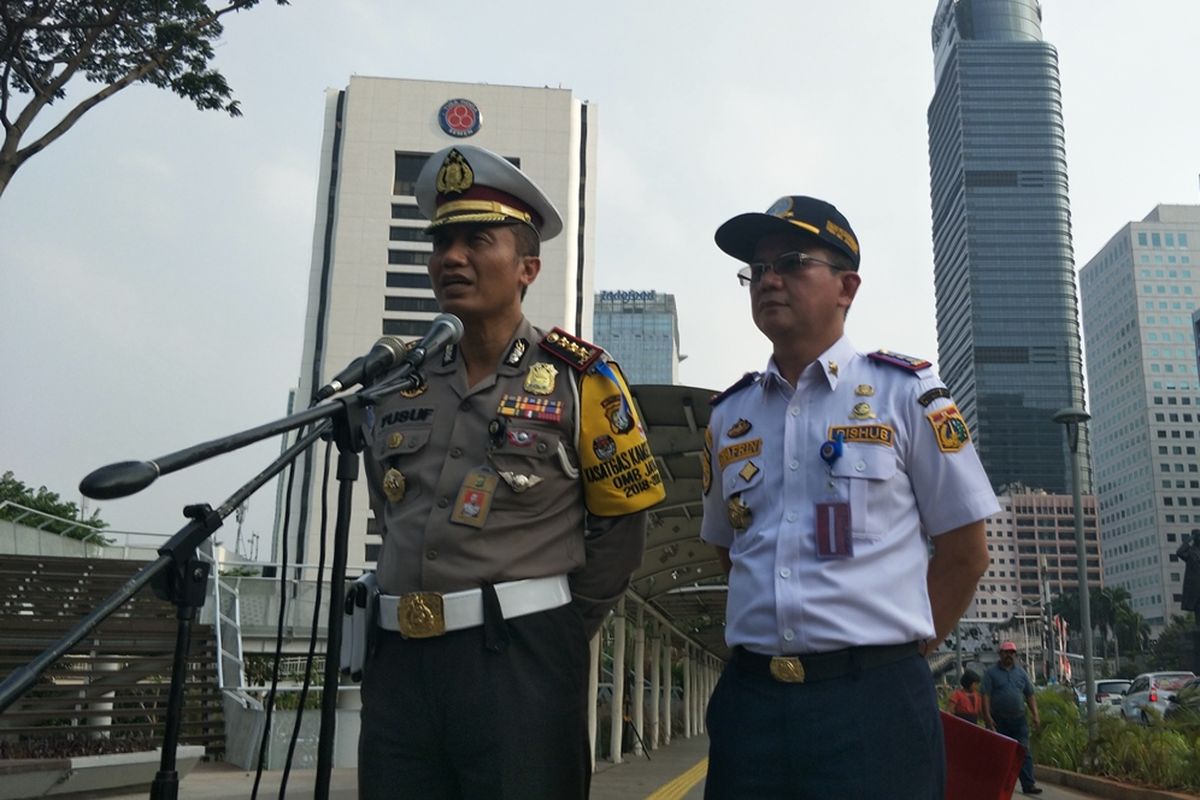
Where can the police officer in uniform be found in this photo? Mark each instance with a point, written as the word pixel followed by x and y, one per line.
pixel 510 489
pixel 828 477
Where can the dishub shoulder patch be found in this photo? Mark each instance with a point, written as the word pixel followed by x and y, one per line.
pixel 907 363
pixel 573 351
pixel 743 382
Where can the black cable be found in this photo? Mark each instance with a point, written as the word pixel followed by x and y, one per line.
pixel 312 638
pixel 283 569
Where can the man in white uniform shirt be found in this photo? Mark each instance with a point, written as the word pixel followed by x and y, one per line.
pixel 828 479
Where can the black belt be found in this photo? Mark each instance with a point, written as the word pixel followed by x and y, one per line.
pixel 822 666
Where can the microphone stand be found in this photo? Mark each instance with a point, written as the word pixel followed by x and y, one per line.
pixel 179 576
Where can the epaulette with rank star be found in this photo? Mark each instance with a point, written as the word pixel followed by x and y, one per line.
pixel 743 382
pixel 575 352
pixel 906 363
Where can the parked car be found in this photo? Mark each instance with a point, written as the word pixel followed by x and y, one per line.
pixel 1150 690
pixel 1185 704
pixel 1109 694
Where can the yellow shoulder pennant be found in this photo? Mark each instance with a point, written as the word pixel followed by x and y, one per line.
pixel 620 475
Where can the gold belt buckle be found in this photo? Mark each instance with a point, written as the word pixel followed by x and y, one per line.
pixel 420 615
pixel 787 669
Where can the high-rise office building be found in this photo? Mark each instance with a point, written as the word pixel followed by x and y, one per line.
pixel 1140 295
pixel 641 331
pixel 1007 314
pixel 369 256
pixel 1034 559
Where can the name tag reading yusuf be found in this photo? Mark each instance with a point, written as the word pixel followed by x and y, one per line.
pixel 833 531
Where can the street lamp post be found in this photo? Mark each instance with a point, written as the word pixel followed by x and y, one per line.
pixel 1072 418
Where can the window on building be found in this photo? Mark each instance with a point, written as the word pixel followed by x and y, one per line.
pixel 412 257
pixel 408 167
pixel 406 211
pixel 405 327
pixel 426 304
pixel 409 280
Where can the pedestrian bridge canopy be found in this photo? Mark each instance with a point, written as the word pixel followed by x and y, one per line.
pixel 680 576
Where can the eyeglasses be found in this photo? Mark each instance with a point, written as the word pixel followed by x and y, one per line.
pixel 783 265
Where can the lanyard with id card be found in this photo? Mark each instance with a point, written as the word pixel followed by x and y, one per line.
pixel 832 528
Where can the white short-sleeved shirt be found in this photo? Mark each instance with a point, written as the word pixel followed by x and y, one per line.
pixel 907 471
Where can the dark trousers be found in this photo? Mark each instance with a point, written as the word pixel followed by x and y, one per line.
pixel 1018 728
pixel 450 718
pixel 871 737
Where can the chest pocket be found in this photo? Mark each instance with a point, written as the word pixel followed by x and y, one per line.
pixel 533 452
pixel 400 448
pixel 868 468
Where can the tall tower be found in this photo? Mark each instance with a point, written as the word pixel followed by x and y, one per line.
pixel 1140 296
pixel 640 330
pixel 1004 272
pixel 368 275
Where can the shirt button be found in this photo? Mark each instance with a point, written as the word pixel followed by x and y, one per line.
pixel 431 554
pixel 788 635
pixel 794 464
pixel 794 411
pixel 785 573
pixel 541 447
pixel 860 466
pixel 443 502
pixel 465 405
pixel 455 452
pixel 791 517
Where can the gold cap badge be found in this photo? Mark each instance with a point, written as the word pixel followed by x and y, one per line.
pixel 455 175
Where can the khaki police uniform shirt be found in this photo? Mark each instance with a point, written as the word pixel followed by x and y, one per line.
pixel 527 519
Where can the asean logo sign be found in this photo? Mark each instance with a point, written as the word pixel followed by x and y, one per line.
pixel 460 117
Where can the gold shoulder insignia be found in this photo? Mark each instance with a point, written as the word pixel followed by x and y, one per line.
pixel 575 352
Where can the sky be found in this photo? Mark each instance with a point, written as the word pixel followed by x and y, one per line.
pixel 154 261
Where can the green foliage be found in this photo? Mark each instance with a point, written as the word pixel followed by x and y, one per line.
pixel 1173 650
pixel 1060 741
pixel 48 45
pixel 1161 754
pixel 259 668
pixel 48 502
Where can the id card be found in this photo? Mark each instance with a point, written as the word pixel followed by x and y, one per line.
pixel 475 498
pixel 833 531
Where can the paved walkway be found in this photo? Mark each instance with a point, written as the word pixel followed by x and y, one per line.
pixel 672 773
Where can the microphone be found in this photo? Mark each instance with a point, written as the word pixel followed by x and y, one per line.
pixel 446 330
pixel 386 352
pixel 390 351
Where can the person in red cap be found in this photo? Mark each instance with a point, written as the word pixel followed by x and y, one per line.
pixel 510 489
pixel 1006 692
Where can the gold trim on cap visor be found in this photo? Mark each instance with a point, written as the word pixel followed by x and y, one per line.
pixel 810 228
pixel 480 206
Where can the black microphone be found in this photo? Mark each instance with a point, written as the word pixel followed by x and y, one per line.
pixel 446 330
pixel 386 352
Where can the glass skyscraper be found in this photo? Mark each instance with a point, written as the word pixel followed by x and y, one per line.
pixel 1007 311
pixel 641 331
pixel 1140 295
